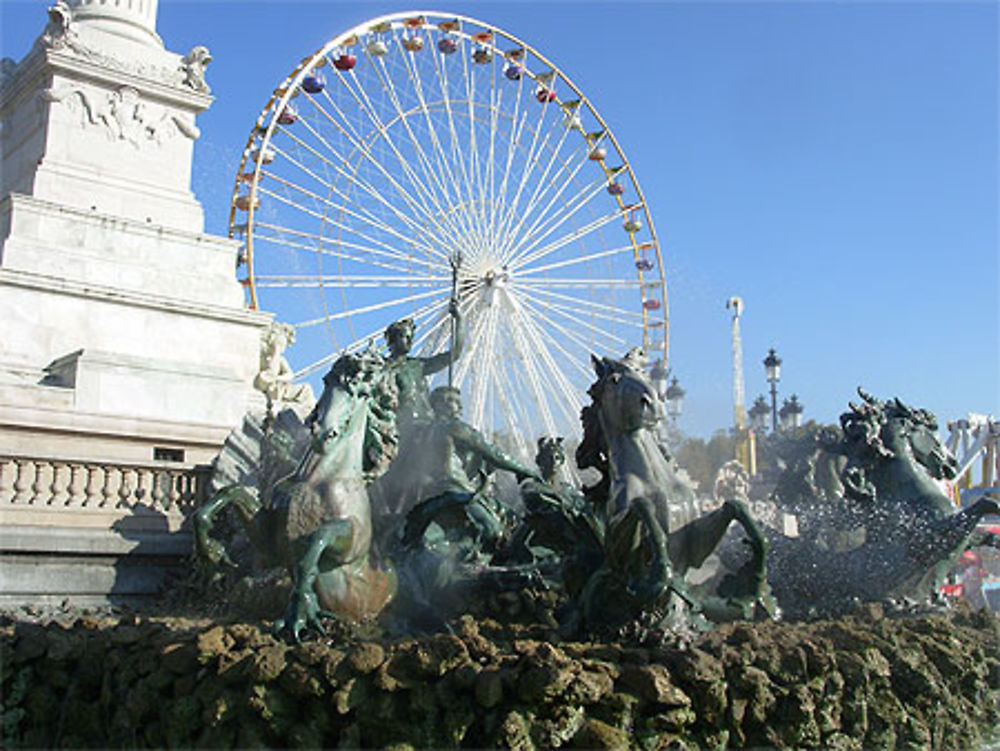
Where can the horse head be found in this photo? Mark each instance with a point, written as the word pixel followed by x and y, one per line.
pixel 914 432
pixel 356 381
pixel 628 402
pixel 551 456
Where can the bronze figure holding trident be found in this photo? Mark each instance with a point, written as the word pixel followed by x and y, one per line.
pixel 412 372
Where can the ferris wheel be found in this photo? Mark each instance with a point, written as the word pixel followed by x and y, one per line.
pixel 419 143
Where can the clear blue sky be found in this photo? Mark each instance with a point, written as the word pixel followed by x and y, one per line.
pixel 833 163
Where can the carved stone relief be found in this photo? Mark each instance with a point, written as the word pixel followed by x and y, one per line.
pixel 122 115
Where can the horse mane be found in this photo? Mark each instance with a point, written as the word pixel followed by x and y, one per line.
pixel 365 373
pixel 593 449
pixel 862 426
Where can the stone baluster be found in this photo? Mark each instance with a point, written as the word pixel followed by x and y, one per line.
pixel 174 492
pixel 125 487
pixel 24 477
pixel 144 479
pixel 8 469
pixel 95 481
pixel 59 488
pixel 189 496
pixel 77 485
pixel 41 486
pixel 158 493
pixel 108 487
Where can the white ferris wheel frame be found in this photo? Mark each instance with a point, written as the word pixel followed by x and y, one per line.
pixel 267 123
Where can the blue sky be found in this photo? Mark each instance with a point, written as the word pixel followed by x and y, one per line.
pixel 834 164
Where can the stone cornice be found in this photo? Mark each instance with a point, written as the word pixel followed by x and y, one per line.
pixel 110 426
pixel 107 72
pixel 131 226
pixel 41 283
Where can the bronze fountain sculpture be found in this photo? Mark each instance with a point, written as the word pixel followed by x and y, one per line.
pixel 393 481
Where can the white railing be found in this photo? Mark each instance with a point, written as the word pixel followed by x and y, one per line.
pixel 56 483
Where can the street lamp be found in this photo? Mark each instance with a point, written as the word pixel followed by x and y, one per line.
pixel 772 366
pixel 658 377
pixel 675 400
pixel 791 413
pixel 758 413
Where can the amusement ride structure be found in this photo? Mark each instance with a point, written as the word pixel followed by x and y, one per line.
pixel 414 153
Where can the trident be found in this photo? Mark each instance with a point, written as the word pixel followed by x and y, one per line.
pixel 455 260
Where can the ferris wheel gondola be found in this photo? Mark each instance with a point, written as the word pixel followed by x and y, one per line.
pixel 416 138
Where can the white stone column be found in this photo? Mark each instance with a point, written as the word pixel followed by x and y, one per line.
pixel 129 19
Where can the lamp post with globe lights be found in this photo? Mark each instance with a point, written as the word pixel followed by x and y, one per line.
pixel 772 367
pixel 791 413
pixel 675 400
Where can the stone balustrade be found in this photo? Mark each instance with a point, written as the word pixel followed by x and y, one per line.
pixel 62 483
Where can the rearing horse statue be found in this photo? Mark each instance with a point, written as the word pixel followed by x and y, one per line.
pixel 654 532
pixel 887 492
pixel 319 516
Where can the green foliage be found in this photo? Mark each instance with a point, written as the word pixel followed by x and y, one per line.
pixel 702 460
pixel 11 711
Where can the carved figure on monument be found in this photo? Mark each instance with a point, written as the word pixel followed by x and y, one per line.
pixel 275 376
pixel 59 30
pixel 193 66
pixel 7 68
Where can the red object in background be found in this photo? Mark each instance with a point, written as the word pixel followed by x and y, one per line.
pixel 952 590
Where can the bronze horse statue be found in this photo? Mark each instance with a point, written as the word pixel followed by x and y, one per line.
pixel 654 533
pixel 317 520
pixel 876 523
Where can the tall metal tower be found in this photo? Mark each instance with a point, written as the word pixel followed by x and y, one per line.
pixel 743 453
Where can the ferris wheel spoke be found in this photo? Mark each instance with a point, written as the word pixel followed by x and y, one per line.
pixel 547 214
pixel 529 160
pixel 340 123
pixel 340 225
pixel 496 97
pixel 532 270
pixel 476 166
pixel 591 283
pixel 536 368
pixel 365 104
pixel 318 243
pixel 484 376
pixel 362 216
pixel 365 186
pixel 541 185
pixel 527 251
pixel 448 167
pixel 358 144
pixel 601 335
pixel 458 152
pixel 371 308
pixel 515 393
pixel 422 159
pixel 574 235
pixel 457 158
pixel 516 126
pixel 539 348
pixel 528 356
pixel 480 344
pixel 594 308
pixel 346 280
